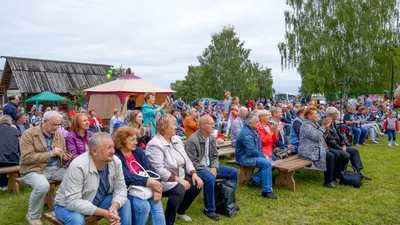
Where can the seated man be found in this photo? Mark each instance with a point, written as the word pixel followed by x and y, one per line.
pixel 238 124
pixel 191 124
pixel 337 146
pixel 94 185
pixel 9 148
pixel 249 153
pixel 22 122
pixel 42 147
pixel 359 133
pixel 201 148
pixel 277 116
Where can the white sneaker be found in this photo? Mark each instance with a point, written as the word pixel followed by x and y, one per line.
pixel 374 142
pixel 32 221
pixel 184 217
pixel 389 144
pixel 5 188
pixel 395 144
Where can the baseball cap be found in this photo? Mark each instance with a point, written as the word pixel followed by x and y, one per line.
pixel 118 124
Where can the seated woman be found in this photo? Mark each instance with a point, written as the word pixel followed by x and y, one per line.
pixel 96 123
pixel 77 141
pixel 267 133
pixel 372 130
pixel 167 155
pixel 313 146
pixel 37 118
pixel 125 141
pixel 143 133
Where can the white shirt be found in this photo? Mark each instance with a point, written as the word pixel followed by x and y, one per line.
pixel 206 158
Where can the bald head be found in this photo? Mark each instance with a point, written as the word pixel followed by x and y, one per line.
pixel 206 123
pixel 205 119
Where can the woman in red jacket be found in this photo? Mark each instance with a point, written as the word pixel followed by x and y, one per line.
pixel 268 133
pixel 96 124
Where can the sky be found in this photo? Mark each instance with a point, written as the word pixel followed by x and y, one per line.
pixel 157 39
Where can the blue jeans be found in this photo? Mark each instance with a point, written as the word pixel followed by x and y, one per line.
pixel 264 174
pixel 391 135
pixel 69 217
pixel 359 135
pixel 142 208
pixel 223 172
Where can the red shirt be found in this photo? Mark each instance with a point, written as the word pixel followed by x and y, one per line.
pixel 267 140
pixel 134 168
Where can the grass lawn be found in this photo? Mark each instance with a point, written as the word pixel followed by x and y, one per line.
pixel 376 202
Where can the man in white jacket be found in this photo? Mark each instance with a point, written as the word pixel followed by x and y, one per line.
pixel 94 185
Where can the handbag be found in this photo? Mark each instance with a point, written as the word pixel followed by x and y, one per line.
pixel 142 192
pixel 282 152
pixel 350 178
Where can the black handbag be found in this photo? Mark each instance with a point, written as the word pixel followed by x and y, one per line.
pixel 350 178
pixel 225 200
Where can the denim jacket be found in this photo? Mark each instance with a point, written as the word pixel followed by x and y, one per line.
pixel 248 147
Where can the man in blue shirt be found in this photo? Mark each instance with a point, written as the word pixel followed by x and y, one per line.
pixel 43 157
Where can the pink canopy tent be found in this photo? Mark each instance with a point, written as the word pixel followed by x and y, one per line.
pixel 126 85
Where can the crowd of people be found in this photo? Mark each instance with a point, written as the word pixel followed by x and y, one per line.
pixel 123 174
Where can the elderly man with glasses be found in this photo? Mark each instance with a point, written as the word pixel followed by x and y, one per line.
pixel 42 158
pixel 201 148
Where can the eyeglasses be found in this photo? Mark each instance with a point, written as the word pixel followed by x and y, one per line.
pixel 54 125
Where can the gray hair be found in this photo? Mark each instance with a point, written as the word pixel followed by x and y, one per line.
pixel 275 109
pixel 242 110
pixel 97 140
pixel 251 116
pixel 50 114
pixel 5 119
pixel 330 111
pixel 263 112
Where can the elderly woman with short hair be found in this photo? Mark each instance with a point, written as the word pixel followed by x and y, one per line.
pixel 313 146
pixel 268 133
pixel 179 178
pixel 132 158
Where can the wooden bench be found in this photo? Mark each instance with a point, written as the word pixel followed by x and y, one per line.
pixel 225 144
pixel 226 151
pixel 13 173
pixel 89 220
pixel 49 199
pixel 286 168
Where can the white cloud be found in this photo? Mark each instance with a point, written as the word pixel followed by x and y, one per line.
pixel 157 39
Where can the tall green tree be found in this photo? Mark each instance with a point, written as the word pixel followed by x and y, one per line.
pixel 342 41
pixel 225 66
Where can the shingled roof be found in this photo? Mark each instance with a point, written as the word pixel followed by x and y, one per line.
pixel 38 75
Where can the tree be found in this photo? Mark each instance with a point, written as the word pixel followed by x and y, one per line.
pixel 128 70
pixel 225 65
pixel 341 41
pixel 120 71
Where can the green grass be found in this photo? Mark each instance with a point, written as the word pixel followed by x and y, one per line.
pixel 376 202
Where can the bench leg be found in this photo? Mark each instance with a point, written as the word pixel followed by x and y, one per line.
pixel 49 199
pixel 245 173
pixel 13 185
pixel 286 179
pixel 201 195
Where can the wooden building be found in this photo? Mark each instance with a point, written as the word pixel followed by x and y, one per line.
pixel 28 77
